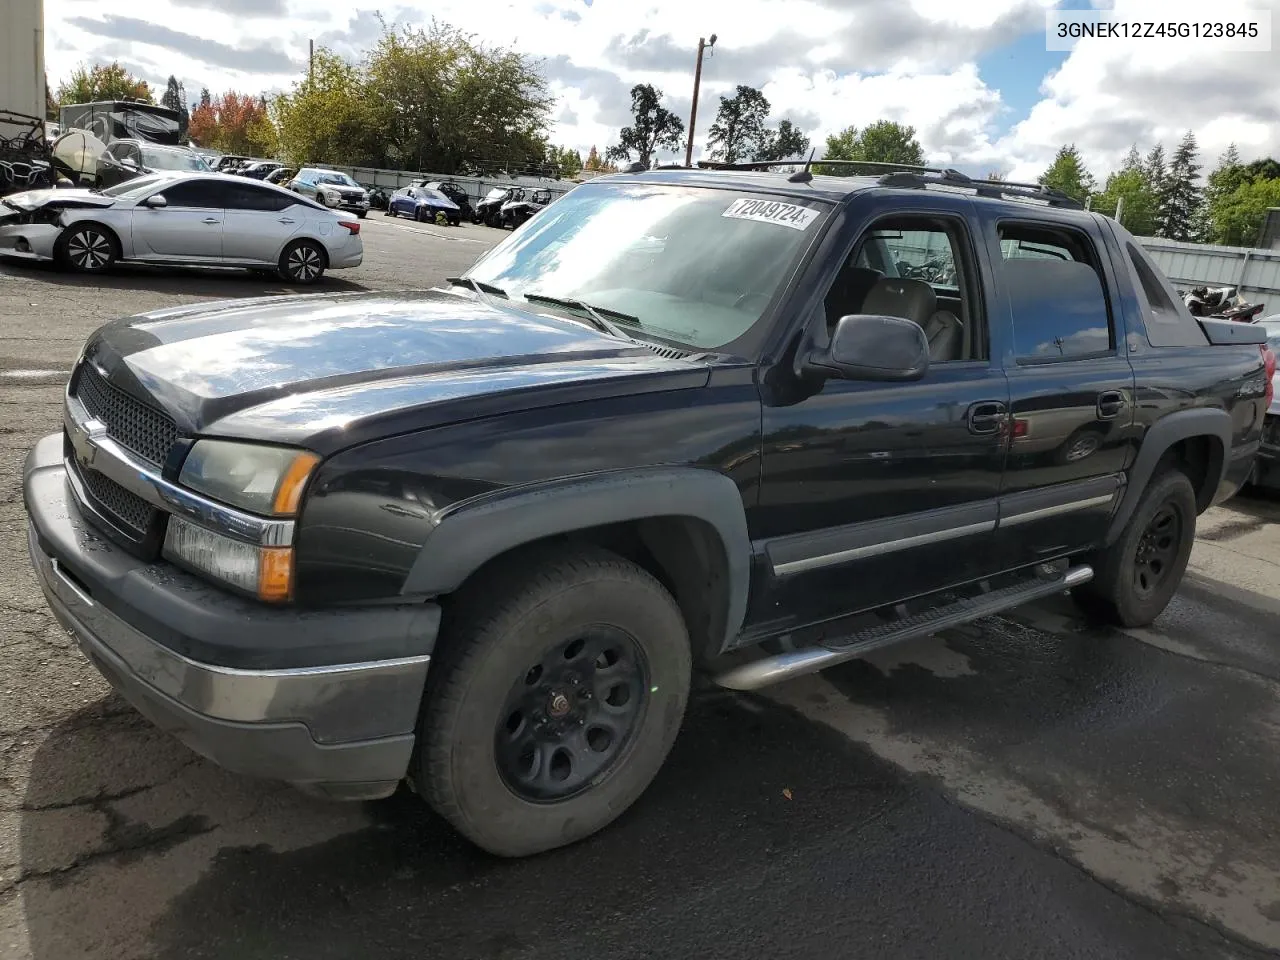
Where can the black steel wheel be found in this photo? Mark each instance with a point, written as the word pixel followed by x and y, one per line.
pixel 303 262
pixel 1137 575
pixel 556 689
pixel 1157 552
pixel 87 248
pixel 572 715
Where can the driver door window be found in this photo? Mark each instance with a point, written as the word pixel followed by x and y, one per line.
pixel 914 268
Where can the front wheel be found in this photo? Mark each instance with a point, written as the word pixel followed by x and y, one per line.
pixel 549 711
pixel 303 262
pixel 362 214
pixel 87 248
pixel 1136 577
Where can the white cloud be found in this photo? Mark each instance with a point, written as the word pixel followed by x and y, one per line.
pixel 825 63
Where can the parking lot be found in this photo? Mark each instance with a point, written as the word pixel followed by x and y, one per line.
pixel 1026 786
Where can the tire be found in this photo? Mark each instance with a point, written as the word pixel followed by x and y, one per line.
pixel 303 262
pixel 87 248
pixel 388 212
pixel 471 765
pixel 362 214
pixel 1126 590
pixel 417 215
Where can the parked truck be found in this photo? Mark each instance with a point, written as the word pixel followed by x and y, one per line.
pixel 479 538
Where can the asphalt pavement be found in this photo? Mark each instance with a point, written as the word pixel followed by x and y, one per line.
pixel 1029 786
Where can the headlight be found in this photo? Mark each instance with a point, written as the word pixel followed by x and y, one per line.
pixel 262 572
pixel 254 477
pixel 260 479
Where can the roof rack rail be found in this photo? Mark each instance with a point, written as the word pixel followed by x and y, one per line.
pixel 996 189
pixel 770 164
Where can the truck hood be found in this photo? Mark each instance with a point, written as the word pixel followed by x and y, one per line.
pixel 325 370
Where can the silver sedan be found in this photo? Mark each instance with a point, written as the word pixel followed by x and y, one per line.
pixel 191 219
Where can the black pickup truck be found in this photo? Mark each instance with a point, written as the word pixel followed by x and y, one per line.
pixel 748 422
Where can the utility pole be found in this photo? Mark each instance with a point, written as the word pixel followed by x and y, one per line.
pixel 1120 211
pixel 697 83
pixel 311 60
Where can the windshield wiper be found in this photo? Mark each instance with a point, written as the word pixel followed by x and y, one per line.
pixel 479 286
pixel 595 313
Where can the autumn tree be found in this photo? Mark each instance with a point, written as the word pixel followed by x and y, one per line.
pixel 102 81
pixel 653 127
pixel 236 123
pixel 1068 174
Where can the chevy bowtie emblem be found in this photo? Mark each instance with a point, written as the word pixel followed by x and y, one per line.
pixel 94 430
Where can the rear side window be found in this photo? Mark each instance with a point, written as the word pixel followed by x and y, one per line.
pixel 202 193
pixel 245 197
pixel 1167 325
pixel 1057 294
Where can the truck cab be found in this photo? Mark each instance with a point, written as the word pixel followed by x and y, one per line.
pixel 750 421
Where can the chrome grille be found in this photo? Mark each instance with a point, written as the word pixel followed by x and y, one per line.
pixel 115 500
pixel 130 422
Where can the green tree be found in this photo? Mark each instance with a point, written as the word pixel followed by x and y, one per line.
pixel 1238 219
pixel 102 81
pixel 206 98
pixel 1129 184
pixel 881 142
pixel 329 116
pixel 739 128
pixel 653 127
pixel 1068 174
pixel 784 143
pixel 442 99
pixel 1221 183
pixel 1264 169
pixel 1180 196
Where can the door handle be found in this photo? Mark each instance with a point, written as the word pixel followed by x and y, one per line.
pixel 211 220
pixel 987 416
pixel 286 220
pixel 1110 403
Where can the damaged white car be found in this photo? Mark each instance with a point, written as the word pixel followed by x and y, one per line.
pixel 189 219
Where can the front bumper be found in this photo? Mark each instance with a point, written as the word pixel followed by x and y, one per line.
pixel 343 730
pixel 31 241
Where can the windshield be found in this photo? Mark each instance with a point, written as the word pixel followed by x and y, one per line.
pixel 341 178
pixel 694 265
pixel 173 160
pixel 134 187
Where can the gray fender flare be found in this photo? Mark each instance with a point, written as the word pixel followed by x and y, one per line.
pixel 477 531
pixel 1163 434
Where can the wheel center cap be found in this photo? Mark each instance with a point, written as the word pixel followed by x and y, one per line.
pixel 559 705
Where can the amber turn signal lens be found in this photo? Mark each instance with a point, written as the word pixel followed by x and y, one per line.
pixel 275 574
pixel 289 493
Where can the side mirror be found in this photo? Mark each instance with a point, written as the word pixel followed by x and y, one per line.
pixel 870 347
pixel 156 202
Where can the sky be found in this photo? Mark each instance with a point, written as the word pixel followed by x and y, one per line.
pixel 972 76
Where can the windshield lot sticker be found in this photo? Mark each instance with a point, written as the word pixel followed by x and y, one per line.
pixel 770 211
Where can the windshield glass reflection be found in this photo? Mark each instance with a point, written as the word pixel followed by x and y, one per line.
pixel 699 266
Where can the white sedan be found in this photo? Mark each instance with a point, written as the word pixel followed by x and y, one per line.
pixel 189 219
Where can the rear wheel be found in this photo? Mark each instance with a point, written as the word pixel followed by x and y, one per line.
pixel 303 261
pixel 1137 576
pixel 548 712
pixel 87 248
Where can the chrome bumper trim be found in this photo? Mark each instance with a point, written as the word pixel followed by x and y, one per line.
pixel 95 449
